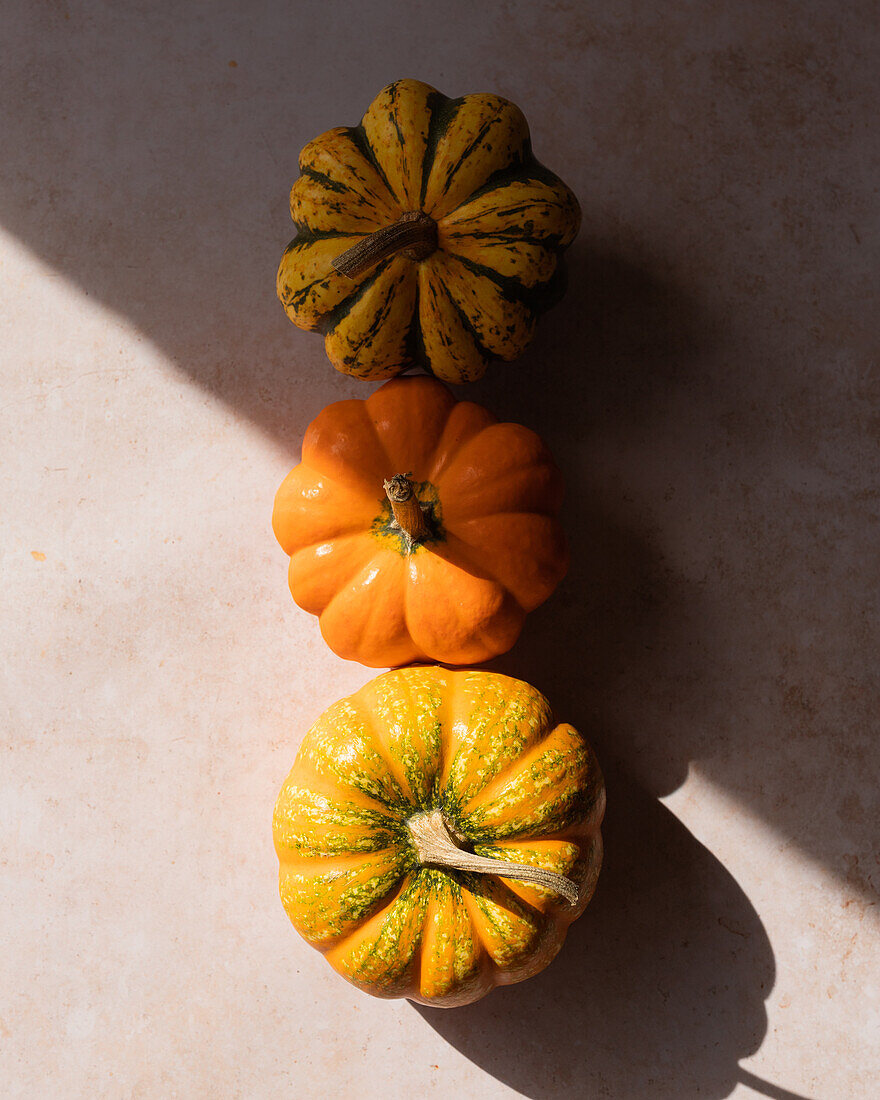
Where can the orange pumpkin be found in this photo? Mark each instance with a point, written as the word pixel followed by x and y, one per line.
pixel 420 528
pixel 438 833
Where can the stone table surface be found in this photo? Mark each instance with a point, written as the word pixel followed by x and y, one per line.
pixel 710 387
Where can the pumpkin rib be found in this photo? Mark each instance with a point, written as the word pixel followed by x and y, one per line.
pixel 489 740
pixel 314 212
pixel 449 334
pixel 441 111
pixel 351 487
pixel 510 810
pixel 533 265
pixel 463 153
pixel 501 321
pixel 334 509
pixel 310 823
pixel 510 286
pixel 302 564
pixel 338 746
pixel 402 102
pixel 410 417
pixel 346 345
pixel 497 915
pixel 295 296
pixel 371 810
pixel 352 599
pixel 560 196
pixel 360 139
pixel 409 892
pixel 528 580
pixel 382 750
pixel 452 956
pixel 409 713
pixel 336 895
pixel 466 421
pixel 333 316
pixel 454 617
pixel 335 159
pixel 357 787
pixel 467 563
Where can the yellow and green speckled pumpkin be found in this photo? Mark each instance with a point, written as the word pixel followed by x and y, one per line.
pixel 438 833
pixel 426 236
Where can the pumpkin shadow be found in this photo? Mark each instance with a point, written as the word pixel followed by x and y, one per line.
pixel 659 989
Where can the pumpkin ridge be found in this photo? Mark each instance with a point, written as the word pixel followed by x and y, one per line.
pixel 353 487
pixel 442 110
pixel 298 802
pixel 332 318
pixel 467 324
pixel 359 138
pixel 550 243
pixel 509 285
pixel 408 906
pixel 371 810
pixel 437 288
pixel 365 208
pixel 498 942
pixel 350 162
pixel 340 751
pixel 398 774
pixel 477 117
pixel 548 804
pixel 413 767
pixel 341 537
pixel 464 561
pixel 530 169
pixel 481 724
pixel 413 653
pixel 329 901
pixel 295 300
pixel 349 576
pixel 447 459
pixel 395 895
pixel 375 326
pixel 476 142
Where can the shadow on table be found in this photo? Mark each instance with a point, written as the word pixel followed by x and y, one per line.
pixel 659 989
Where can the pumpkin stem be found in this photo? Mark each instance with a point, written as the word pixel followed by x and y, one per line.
pixel 438 845
pixel 407 510
pixel 414 234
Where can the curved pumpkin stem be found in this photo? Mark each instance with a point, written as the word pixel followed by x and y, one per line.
pixel 436 845
pixel 406 508
pixel 414 234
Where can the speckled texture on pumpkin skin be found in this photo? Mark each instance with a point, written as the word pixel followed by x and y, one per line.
pixel 503 223
pixel 514 786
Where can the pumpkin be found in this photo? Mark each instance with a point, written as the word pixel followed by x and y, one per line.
pixel 428 235
pixel 419 528
pixel 438 833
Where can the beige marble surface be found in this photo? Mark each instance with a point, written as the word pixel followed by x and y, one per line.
pixel 709 385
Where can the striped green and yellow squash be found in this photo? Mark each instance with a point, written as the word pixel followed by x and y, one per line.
pixel 428 235
pixel 438 833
